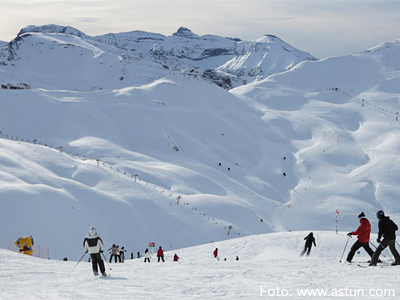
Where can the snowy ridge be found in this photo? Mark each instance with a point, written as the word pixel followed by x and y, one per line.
pixel 264 57
pixel 183 51
pixel 87 63
pixel 52 29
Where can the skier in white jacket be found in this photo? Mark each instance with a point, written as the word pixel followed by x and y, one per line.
pixel 94 245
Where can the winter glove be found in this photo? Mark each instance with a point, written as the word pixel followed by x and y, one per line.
pixel 378 241
pixel 350 234
pixel 101 251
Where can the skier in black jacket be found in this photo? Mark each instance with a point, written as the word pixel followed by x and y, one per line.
pixel 387 230
pixel 94 245
pixel 309 241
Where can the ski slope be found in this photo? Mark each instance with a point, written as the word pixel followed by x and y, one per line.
pixel 101 139
pixel 269 267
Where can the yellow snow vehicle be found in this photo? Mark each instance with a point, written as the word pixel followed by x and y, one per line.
pixel 25 245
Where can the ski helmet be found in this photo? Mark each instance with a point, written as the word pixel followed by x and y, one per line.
pixel 380 214
pixel 92 231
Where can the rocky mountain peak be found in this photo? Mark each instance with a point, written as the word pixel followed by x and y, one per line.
pixel 185 32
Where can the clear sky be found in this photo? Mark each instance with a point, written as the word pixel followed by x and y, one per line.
pixel 323 28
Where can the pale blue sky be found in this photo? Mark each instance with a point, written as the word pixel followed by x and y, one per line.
pixel 323 28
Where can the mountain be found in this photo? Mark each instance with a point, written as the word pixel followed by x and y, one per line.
pixel 94 135
pixel 342 116
pixel 263 57
pixel 141 57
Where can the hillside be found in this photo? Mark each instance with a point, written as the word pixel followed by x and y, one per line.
pixel 342 117
pixel 80 146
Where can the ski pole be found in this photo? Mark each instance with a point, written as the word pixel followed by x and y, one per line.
pixel 397 244
pixel 375 249
pixel 384 248
pixel 77 264
pixel 106 260
pixel 345 248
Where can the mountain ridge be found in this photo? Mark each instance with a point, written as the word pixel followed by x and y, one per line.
pixel 182 51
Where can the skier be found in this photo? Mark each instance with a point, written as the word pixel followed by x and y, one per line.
pixel 363 232
pixel 216 253
pixel 94 245
pixel 309 241
pixel 160 254
pixel 146 255
pixel 118 253
pixel 176 257
pixel 122 253
pixel 114 252
pixel 387 230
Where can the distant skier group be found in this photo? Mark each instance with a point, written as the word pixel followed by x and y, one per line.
pixel 117 253
pixel 160 255
pixel 93 245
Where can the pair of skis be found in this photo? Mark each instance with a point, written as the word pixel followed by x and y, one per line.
pixel 366 265
pixel 379 266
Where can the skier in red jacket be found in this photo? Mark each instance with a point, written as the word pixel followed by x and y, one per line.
pixel 363 232
pixel 216 253
pixel 160 254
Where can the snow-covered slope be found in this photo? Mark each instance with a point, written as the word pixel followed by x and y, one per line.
pixel 269 266
pixel 104 138
pixel 66 61
pixel 342 116
pixel 263 57
pixel 152 131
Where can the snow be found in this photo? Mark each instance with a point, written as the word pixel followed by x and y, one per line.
pixel 143 56
pixel 105 139
pixel 174 132
pixel 267 262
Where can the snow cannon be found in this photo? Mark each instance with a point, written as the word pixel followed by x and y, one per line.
pixel 25 245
